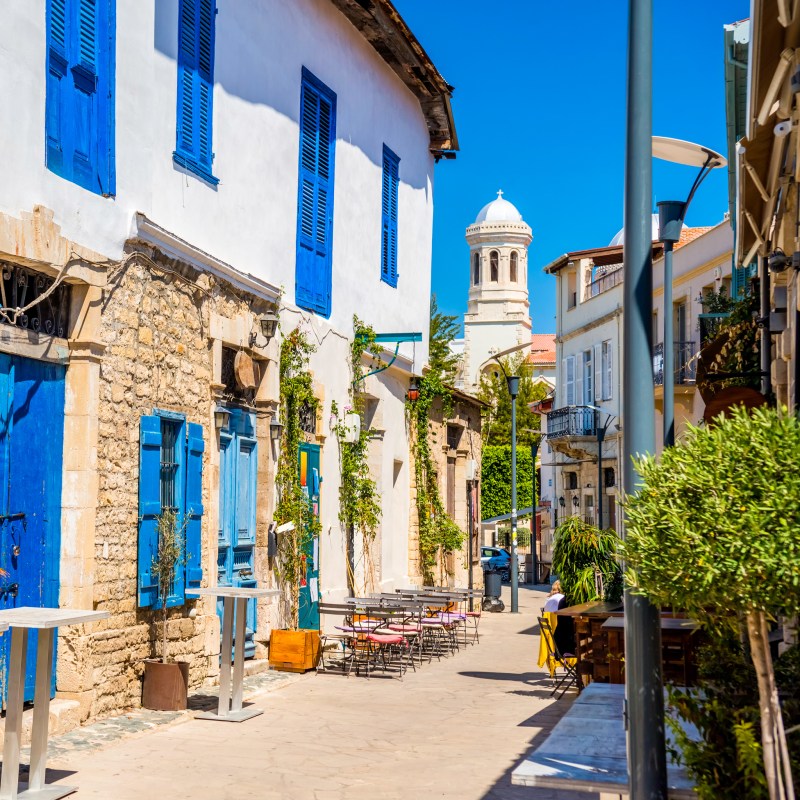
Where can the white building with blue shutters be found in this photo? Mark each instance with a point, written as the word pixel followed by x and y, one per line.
pixel 174 170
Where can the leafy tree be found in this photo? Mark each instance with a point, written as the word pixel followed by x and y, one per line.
pixel 715 530
pixel 497 417
pixel 581 549
pixel 496 479
pixel 443 329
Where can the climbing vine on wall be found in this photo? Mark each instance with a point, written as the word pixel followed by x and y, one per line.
pixel 293 506
pixel 359 503
pixel 438 533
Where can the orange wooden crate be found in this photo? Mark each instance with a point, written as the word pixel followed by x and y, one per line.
pixel 294 651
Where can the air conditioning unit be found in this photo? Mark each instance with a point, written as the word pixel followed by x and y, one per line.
pixel 717 273
pixel 472 469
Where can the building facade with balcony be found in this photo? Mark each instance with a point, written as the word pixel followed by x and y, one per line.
pixel 701 265
pixel 585 425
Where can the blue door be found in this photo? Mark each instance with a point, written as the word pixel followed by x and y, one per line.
pixel 31 458
pixel 309 585
pixel 237 512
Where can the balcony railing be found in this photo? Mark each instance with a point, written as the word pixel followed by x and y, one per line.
pixel 611 277
pixel 685 363
pixel 571 421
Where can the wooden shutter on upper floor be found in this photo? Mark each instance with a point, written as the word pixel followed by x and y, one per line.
pixel 196 34
pixel 598 372
pixel 79 96
pixel 389 203
pixel 315 195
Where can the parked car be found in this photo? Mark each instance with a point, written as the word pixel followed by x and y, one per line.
pixel 500 559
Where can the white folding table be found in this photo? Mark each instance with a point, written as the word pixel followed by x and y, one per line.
pixel 45 620
pixel 230 699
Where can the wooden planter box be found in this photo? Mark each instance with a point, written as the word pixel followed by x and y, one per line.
pixel 294 651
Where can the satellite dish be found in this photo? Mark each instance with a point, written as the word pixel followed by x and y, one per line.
pixel 681 152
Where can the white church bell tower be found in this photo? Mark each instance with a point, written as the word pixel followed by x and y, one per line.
pixel 498 313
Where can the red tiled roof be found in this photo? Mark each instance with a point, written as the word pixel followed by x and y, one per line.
pixel 689 234
pixel 543 348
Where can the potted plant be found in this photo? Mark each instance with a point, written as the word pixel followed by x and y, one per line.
pixel 166 683
pixel 291 648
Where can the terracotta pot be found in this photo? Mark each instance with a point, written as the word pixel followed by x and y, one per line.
pixel 293 651
pixel 165 686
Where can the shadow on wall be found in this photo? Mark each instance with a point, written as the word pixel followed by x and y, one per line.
pixel 253 37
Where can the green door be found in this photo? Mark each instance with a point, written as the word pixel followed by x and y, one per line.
pixel 310 479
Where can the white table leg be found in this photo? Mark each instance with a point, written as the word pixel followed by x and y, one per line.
pixel 225 658
pixel 41 709
pixel 238 653
pixel 13 732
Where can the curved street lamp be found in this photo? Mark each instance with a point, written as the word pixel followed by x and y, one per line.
pixel 671 214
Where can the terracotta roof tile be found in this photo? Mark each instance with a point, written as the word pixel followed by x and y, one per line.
pixel 543 348
pixel 690 234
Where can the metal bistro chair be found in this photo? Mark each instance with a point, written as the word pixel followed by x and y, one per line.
pixel 567 661
pixel 347 635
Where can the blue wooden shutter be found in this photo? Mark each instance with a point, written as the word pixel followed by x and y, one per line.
pixel 196 28
pixel 391 166
pixel 149 506
pixel 315 195
pixel 79 105
pixel 194 505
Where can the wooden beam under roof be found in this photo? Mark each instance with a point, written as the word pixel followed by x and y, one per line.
pixel 381 25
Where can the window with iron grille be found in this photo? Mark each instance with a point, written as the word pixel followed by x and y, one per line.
pixel 20 287
pixel 169 462
pixel 610 478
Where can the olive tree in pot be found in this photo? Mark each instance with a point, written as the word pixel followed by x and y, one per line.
pixel 166 683
pixel 715 529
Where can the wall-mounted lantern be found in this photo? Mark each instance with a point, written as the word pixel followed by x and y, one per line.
pixel 221 417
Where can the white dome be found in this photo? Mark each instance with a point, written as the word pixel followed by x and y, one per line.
pixel 499 211
pixel 620 237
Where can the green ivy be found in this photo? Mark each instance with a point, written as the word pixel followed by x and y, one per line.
pixel 438 533
pixel 359 503
pixel 296 392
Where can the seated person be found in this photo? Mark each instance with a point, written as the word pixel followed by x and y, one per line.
pixel 556 596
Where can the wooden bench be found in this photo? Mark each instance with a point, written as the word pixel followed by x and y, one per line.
pixel 586 751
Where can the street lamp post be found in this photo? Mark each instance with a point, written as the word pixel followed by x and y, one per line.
pixel 513 390
pixel 647 759
pixel 671 214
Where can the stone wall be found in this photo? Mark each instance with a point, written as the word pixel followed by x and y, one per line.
pixel 155 321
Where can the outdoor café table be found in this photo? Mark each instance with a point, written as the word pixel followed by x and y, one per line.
pixel 591 641
pixel 586 750
pixel 677 649
pixel 45 620
pixel 230 708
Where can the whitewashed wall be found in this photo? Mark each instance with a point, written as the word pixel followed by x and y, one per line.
pixel 249 220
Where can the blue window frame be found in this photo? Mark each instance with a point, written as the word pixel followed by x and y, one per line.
pixel 391 184
pixel 79 95
pixel 315 195
pixel 170 476
pixel 196 31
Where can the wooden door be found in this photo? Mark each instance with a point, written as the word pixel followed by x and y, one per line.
pixel 31 459
pixel 237 512
pixel 310 479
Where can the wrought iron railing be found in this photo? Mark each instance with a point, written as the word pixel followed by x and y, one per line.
pixel 571 421
pixel 611 277
pixel 685 363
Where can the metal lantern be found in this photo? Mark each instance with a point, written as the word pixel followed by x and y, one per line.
pixel 269 325
pixel 221 417
pixel 275 429
pixel 413 391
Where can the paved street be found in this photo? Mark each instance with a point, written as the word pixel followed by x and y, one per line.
pixel 455 729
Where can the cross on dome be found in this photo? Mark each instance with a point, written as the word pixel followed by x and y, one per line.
pixel 500 193
pixel 499 210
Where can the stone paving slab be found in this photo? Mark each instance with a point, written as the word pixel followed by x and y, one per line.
pixel 455 729
pixel 114 729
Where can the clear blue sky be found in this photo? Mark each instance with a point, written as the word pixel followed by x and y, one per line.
pixel 539 105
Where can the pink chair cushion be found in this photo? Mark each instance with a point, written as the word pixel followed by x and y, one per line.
pixel 382 638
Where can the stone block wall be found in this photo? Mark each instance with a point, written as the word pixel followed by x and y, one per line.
pixel 155 321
